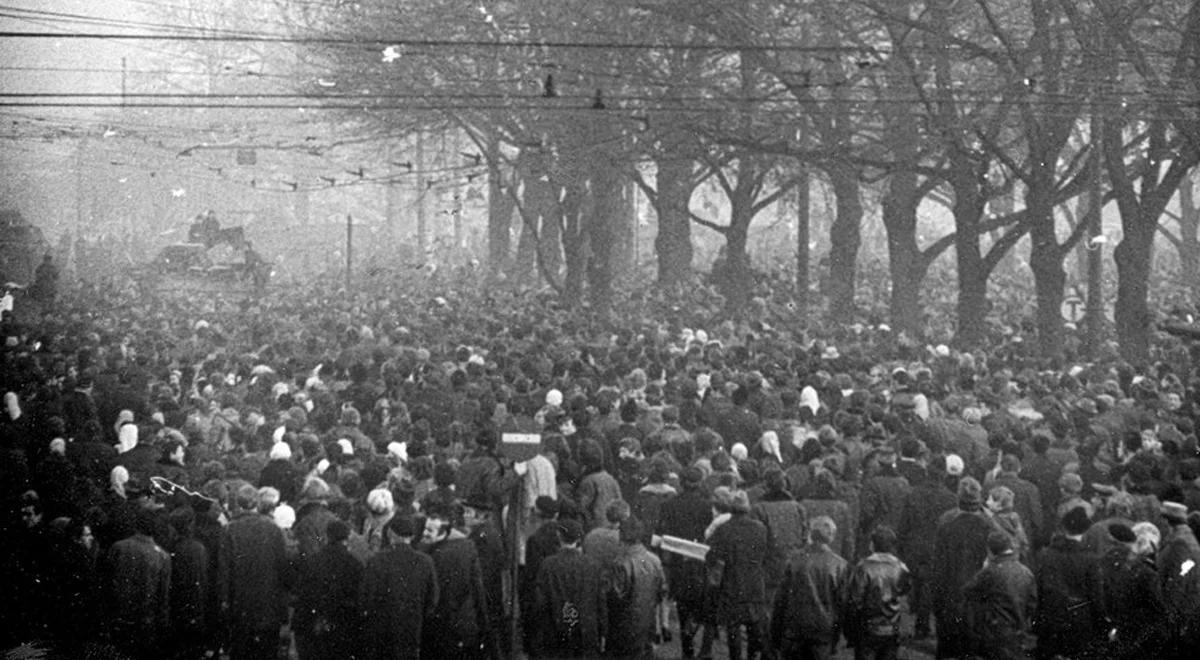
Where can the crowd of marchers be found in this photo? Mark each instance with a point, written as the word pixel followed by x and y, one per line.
pixel 325 472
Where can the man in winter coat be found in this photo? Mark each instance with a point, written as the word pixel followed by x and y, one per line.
pixel 873 593
pixel 570 610
pixel 251 570
pixel 326 615
pixel 1001 599
pixel 398 595
pixel 787 527
pixel 922 508
pixel 139 590
pixel 960 547
pixel 1133 598
pixel 686 517
pixel 637 585
pixel 1179 575
pixel 1070 619
pixel 459 626
pixel 736 564
pixel 806 619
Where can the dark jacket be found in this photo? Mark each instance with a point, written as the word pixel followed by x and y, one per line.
pixel 842 515
pixel 1027 502
pixel 571 606
pixel 1133 600
pixel 191 584
pixel 139 604
pixel 459 624
pixel 312 520
pixel 787 527
pixel 808 605
pixel 326 608
pixel 873 593
pixel 638 585
pixel 686 517
pixel 917 534
pixel 282 475
pixel 596 491
pixel 1180 585
pixel 1070 619
pixel 398 596
pixel 251 570
pixel 960 546
pixel 1001 599
pixel 736 562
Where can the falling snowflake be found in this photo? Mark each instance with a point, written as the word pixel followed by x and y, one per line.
pixel 391 54
pixel 178 192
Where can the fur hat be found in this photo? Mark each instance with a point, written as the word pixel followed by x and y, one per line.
pixel 1076 522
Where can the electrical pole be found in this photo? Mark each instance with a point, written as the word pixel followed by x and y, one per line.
pixel 349 250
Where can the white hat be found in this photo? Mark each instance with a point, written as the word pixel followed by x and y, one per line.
pixel 954 465
pixel 399 450
pixel 347 446
pixel 554 398
pixel 284 516
pixel 739 452
pixel 280 450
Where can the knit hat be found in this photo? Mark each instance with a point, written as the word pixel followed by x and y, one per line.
pixel 546 506
pixel 970 493
pixel 570 530
pixel 739 452
pixel 954 465
pixel 280 451
pixel 1122 533
pixel 1076 522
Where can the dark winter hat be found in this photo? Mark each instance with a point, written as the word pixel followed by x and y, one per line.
pixel 402 526
pixel 337 531
pixel 999 543
pixel 1122 533
pixel 570 530
pixel 546 506
pixel 1076 522
pixel 692 476
pixel 970 493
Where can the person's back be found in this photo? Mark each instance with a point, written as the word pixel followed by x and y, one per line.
pixel 1070 618
pixel 252 566
pixel 570 601
pixel 1000 600
pixel 638 585
pixel 806 616
pixel 139 589
pixel 326 607
pixel 873 593
pixel 960 546
pixel 398 594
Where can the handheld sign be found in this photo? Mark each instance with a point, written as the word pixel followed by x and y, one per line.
pixel 520 446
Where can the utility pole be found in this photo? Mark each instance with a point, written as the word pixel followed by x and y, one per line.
pixel 422 188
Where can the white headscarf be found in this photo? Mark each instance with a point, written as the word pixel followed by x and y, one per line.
pixel 127 438
pixel 809 399
pixel 769 443
pixel 118 478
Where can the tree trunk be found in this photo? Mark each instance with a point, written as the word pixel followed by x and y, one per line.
pixel 1046 261
pixel 844 240
pixel 803 254
pixel 738 280
pixel 608 211
pixel 1132 314
pixel 673 244
pixel 574 240
pixel 904 256
pixel 972 272
pixel 500 215
pixel 1189 236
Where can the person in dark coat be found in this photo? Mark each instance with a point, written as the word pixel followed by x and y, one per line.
pixel 459 626
pixel 1133 599
pixel 541 544
pixel 571 609
pixel 398 595
pixel 313 517
pixel 1027 500
pixel 806 619
pixel 825 501
pixel 251 571
pixel 960 547
pixel 483 529
pixel 736 565
pixel 138 605
pixel 1179 575
pixel 882 496
pixel 1001 599
pixel 872 604
pixel 638 585
pixel 281 473
pixel 687 516
pixel 923 506
pixel 787 527
pixel 326 609
pixel 191 584
pixel 1070 619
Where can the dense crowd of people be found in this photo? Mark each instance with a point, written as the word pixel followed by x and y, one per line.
pixel 189 476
